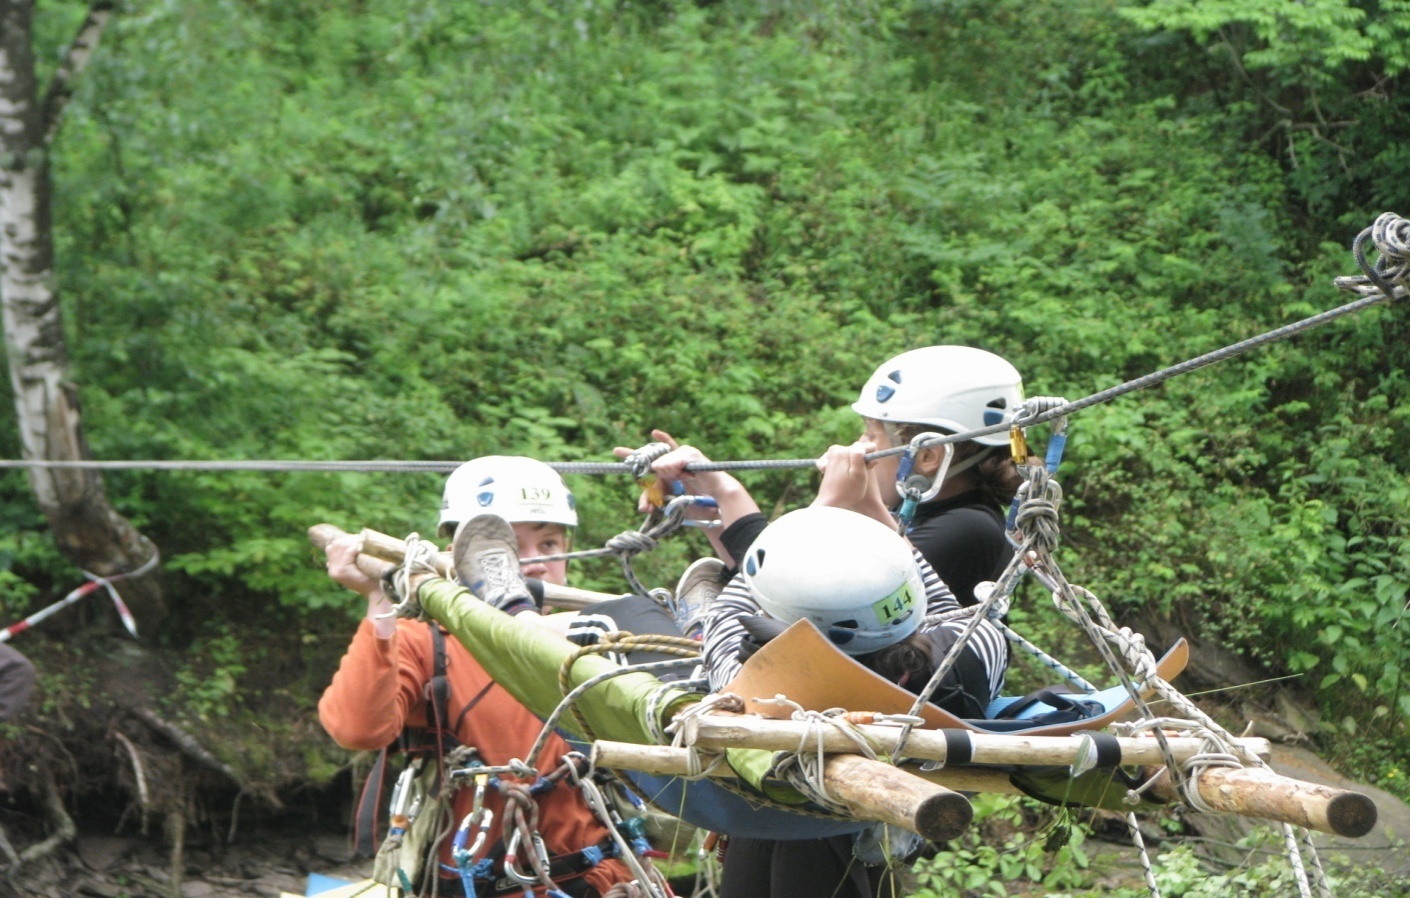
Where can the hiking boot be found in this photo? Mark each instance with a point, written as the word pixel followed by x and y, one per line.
pixel 699 586
pixel 486 555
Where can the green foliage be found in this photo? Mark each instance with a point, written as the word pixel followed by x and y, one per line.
pixel 210 688
pixel 1324 79
pixel 997 851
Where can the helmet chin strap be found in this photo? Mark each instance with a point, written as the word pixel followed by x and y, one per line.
pixel 961 467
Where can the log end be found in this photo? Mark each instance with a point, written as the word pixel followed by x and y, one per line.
pixel 1351 814
pixel 944 816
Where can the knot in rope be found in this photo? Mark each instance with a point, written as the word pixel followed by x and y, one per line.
pixel 658 525
pixel 1391 235
pixel 1138 657
pixel 1390 275
pixel 1035 406
pixel 631 542
pixel 685 729
pixel 420 559
pixel 1036 517
pixel 639 462
pixel 803 768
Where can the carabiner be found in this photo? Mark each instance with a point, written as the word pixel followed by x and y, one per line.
pixel 511 860
pixel 908 485
pixel 458 852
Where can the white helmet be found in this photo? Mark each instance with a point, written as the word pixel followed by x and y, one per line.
pixel 956 388
pixel 518 489
pixel 851 575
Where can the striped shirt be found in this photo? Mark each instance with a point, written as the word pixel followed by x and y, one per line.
pixel 724 630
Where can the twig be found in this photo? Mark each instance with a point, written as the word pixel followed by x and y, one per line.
pixel 7 848
pixel 64 829
pixel 85 41
pixel 176 831
pixel 185 742
pixel 234 817
pixel 142 797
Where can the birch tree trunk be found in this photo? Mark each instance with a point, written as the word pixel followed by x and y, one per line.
pixel 86 527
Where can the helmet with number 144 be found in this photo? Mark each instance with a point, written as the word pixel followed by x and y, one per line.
pixel 855 578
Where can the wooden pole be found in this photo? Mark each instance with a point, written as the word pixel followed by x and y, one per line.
pixel 1259 792
pixel 666 760
pixel 872 790
pixel 727 731
pixel 1248 791
pixel 391 550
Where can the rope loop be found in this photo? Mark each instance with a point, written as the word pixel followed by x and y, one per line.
pixel 639 461
pixel 420 559
pixel 1035 519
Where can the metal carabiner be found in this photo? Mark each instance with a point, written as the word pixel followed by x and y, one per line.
pixel 511 860
pixel 908 484
pixel 459 852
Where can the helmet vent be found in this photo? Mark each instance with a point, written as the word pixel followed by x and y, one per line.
pixel 884 393
pixel 485 498
pixel 487 481
pixel 894 376
pixel 754 563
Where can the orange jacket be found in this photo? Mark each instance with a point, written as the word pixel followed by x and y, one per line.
pixel 380 688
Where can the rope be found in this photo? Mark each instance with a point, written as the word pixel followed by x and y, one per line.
pixel 630 543
pixel 1133 826
pixel 803 767
pixel 646 883
pixel 687 649
pixel 685 729
pixel 1383 282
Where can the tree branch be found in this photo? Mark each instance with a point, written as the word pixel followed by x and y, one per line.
pixel 85 41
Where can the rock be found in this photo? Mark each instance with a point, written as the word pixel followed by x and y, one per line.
pixel 276 882
pixel 102 853
pixel 337 849
pixel 196 888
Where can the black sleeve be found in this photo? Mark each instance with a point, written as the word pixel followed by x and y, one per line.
pixel 966 546
pixel 740 535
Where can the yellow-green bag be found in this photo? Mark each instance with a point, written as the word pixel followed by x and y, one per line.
pixel 420 820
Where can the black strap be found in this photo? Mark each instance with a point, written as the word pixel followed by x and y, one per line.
pixel 1108 748
pixel 368 804
pixel 1048 696
pixel 959 749
pixel 438 687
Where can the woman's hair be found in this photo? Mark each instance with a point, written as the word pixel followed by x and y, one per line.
pixel 995 473
pixel 910 656
pixel 911 663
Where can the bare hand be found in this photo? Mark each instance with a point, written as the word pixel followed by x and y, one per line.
pixel 848 481
pixel 342 567
pixel 669 470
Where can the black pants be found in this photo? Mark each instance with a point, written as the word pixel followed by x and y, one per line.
pixel 801 868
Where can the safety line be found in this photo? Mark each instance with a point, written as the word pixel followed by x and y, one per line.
pixel 1390 234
